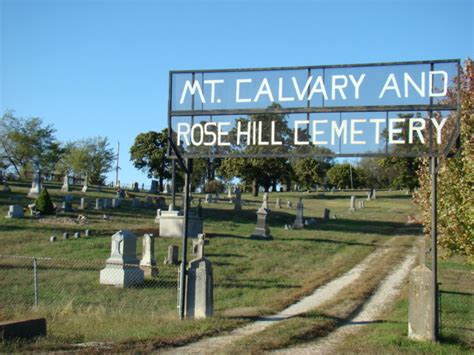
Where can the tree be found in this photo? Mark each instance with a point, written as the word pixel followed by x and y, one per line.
pixel 340 176
pixel 92 157
pixel 148 154
pixel 43 203
pixel 376 173
pixel 455 181
pixel 26 143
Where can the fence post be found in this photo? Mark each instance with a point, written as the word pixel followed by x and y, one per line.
pixel 35 280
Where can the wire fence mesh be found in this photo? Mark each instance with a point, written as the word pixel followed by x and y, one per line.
pixel 457 315
pixel 52 286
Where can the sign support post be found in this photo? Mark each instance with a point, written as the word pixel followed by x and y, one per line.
pixel 434 246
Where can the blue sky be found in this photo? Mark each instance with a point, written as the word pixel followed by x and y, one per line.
pixel 101 67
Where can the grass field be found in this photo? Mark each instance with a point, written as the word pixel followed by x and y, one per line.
pixel 252 277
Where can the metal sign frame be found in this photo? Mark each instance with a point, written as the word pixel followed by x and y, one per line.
pixel 185 162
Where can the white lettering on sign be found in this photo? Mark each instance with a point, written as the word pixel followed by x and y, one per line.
pixel 358 131
pixel 337 87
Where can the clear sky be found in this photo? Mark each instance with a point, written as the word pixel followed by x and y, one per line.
pixel 101 67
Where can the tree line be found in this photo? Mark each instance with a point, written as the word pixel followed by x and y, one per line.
pixel 28 144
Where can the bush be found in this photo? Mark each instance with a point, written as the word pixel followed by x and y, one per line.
pixel 43 203
pixel 214 186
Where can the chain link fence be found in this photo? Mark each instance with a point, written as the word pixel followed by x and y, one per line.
pixel 69 291
pixel 457 315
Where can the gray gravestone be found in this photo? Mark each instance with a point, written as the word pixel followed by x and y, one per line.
pixel 265 200
pixel 67 206
pixel 368 196
pixel 261 230
pixel 420 304
pixel 154 187
pixel 87 233
pixel 65 236
pixel 85 186
pixel 36 185
pixel 65 187
pixel 15 211
pixel 299 224
pixel 52 238
pixel 199 301
pixel 148 262
pixel 136 202
pixel 238 200
pixel 362 204
pixel 278 203
pixel 207 198
pixel 77 235
pixel 115 203
pixel 374 194
pixel 83 204
pixel 122 268
pixel 172 257
pixel 135 187
pixel 352 206
pixel 289 204
pixel 99 204
pixel 327 212
pixel 200 239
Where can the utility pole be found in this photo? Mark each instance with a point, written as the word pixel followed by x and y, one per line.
pixel 352 182
pixel 117 168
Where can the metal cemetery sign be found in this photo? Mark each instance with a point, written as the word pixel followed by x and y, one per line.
pixel 397 109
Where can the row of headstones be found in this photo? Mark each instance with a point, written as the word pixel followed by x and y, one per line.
pixel 76 235
pixel 124 270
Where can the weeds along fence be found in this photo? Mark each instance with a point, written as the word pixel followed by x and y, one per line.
pixel 456 315
pixel 50 286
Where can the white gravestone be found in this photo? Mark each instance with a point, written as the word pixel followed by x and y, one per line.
pixel 199 300
pixel 85 186
pixel 261 230
pixel 299 223
pixel 172 224
pixel 122 268
pixel 115 203
pixel 36 185
pixel 15 211
pixel 148 262
pixel 352 206
pixel 368 196
pixel 65 187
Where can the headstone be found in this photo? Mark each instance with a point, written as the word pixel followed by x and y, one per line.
pixel 172 224
pixel 238 200
pixel 298 224
pixel 420 304
pixel 277 203
pixel 85 186
pixel 148 201
pixel 332 190
pixel 107 203
pixel 166 189
pixel 265 200
pixel 229 192
pixel 368 196
pixel 352 206
pixel 36 185
pixel 65 235
pixel 15 211
pixel 196 242
pixel 154 187
pixel 99 204
pixel 199 300
pixel 199 209
pixel 52 238
pixel 122 267
pixel 66 206
pixel 135 187
pixel 327 213
pixel 77 235
pixel 115 203
pixel 172 257
pixel 136 203
pixel 207 198
pixel 261 230
pixel 289 204
pixel 362 204
pixel 87 233
pixel 374 194
pixel 83 204
pixel 148 262
pixel 65 187
pixel 99 188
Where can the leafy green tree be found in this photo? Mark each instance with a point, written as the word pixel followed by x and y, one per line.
pixel 43 203
pixel 148 154
pixel 455 181
pixel 92 157
pixel 340 176
pixel 26 143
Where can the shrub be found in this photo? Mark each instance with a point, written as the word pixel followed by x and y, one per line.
pixel 43 203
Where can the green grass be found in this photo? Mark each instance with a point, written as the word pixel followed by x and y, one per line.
pixel 252 277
